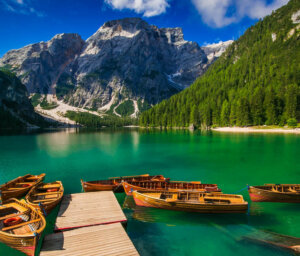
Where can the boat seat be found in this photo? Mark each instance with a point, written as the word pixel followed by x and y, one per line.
pixel 47 187
pixel 171 200
pixel 21 230
pixel 32 178
pixel 11 189
pixel 41 200
pixel 25 183
pixel 292 190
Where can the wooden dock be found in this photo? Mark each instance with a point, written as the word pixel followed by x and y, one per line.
pixel 88 209
pixel 98 240
pixel 89 224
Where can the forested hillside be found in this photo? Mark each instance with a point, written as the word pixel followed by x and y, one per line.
pixel 16 110
pixel 256 81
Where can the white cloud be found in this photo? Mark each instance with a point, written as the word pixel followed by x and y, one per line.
pixel 148 8
pixel 215 12
pixel 256 9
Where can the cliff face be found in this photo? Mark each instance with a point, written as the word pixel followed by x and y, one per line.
pixel 130 59
pixel 214 51
pixel 40 65
pixel 124 60
pixel 16 110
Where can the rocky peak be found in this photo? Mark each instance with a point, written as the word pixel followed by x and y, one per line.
pixel 174 35
pixel 127 27
pixel 215 50
pixel 39 65
pixel 127 24
pixel 124 59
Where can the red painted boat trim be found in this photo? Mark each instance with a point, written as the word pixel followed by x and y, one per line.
pixel 140 202
pixel 256 197
pixel 28 250
pixel 102 223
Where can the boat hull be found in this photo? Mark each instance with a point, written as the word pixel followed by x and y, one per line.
pixel 6 194
pixel 145 201
pixel 90 187
pixel 115 184
pixel 46 206
pixel 129 188
pixel 25 242
pixel 261 195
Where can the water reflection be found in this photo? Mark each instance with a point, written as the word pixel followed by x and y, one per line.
pixel 231 227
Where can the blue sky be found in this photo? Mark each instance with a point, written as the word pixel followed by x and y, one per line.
pixel 204 21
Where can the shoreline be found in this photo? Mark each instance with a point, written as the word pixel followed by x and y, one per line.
pixel 256 129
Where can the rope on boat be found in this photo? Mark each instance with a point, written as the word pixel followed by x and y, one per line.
pixel 120 184
pixel 241 189
pixel 41 206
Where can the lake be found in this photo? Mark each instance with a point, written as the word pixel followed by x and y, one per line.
pixel 230 160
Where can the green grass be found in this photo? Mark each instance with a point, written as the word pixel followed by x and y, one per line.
pixel 48 105
pixel 64 86
pixel 36 99
pixel 111 109
pixel 126 108
pixel 94 121
pixel 143 106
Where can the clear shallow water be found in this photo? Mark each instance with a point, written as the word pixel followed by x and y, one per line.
pixel 231 160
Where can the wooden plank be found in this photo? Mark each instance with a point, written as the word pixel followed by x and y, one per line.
pixel 97 240
pixel 87 209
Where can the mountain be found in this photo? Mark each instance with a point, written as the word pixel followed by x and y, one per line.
pixel 16 110
pixel 40 65
pixel 214 51
pixel 255 81
pixel 123 68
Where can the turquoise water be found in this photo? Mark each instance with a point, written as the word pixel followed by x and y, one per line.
pixel 231 160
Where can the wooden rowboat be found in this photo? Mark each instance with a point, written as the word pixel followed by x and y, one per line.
pixel 21 226
pixel 45 196
pixel 172 186
pixel 192 201
pixel 282 193
pixel 115 183
pixel 20 186
pixel 276 241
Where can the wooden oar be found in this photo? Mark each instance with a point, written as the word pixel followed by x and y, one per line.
pixel 43 200
pixel 12 189
pixel 48 193
pixel 11 216
pixel 21 224
pixel 32 178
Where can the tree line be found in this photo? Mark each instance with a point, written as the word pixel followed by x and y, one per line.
pixel 255 82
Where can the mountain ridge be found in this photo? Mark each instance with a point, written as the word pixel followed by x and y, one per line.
pixel 124 60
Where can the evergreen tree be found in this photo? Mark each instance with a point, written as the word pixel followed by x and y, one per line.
pixel 257 106
pixel 291 101
pixel 270 105
pixel 225 113
pixel 256 81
